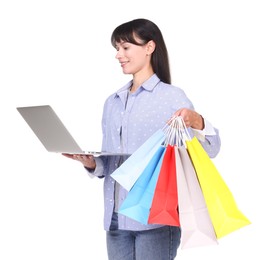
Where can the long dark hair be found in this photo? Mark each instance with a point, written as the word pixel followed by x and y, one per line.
pixel 146 31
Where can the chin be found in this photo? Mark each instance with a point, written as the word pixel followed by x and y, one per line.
pixel 127 72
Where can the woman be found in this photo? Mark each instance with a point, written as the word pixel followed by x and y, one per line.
pixel 130 116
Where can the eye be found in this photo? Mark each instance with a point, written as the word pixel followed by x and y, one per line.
pixel 125 45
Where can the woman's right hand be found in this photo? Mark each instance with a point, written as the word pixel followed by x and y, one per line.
pixel 87 160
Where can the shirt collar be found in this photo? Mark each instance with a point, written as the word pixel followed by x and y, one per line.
pixel 148 85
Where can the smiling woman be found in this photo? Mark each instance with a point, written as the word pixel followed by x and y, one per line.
pixel 130 116
pixel 58 52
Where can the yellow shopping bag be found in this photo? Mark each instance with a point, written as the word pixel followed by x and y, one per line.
pixel 223 210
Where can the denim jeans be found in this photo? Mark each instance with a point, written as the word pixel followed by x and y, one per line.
pixel 155 244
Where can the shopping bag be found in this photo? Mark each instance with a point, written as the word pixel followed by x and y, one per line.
pixel 129 171
pixel 139 199
pixel 164 208
pixel 196 226
pixel 224 212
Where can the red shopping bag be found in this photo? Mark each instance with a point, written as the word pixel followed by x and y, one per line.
pixel 164 207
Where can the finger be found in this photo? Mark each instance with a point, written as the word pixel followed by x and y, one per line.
pixel 82 157
pixel 68 155
pixel 77 157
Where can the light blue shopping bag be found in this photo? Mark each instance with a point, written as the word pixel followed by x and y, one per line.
pixel 129 171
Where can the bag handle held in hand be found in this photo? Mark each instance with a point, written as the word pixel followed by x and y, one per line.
pixel 176 132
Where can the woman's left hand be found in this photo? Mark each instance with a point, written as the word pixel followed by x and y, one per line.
pixel 191 118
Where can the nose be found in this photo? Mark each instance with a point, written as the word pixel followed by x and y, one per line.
pixel 118 54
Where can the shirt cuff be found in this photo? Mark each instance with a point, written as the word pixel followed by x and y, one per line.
pixel 98 171
pixel 207 130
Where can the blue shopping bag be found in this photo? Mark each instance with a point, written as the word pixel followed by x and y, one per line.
pixel 129 171
pixel 139 199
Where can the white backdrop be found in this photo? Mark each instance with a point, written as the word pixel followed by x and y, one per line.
pixel 58 52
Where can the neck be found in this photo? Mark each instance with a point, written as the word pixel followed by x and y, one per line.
pixel 139 79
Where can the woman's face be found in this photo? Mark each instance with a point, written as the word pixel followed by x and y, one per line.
pixel 132 58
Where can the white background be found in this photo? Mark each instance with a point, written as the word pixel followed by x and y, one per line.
pixel 58 52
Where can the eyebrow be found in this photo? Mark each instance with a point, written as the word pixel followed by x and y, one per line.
pixel 121 43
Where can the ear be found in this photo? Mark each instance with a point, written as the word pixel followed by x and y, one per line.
pixel 150 47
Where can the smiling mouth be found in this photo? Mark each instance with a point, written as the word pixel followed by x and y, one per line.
pixel 123 63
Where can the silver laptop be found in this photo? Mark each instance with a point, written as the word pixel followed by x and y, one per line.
pixel 50 130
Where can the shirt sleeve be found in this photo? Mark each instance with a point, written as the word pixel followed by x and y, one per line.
pixel 208 130
pixel 209 138
pixel 98 171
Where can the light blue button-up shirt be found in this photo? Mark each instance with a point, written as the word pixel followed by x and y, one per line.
pixel 128 120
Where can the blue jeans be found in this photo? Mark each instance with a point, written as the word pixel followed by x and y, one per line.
pixel 155 244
